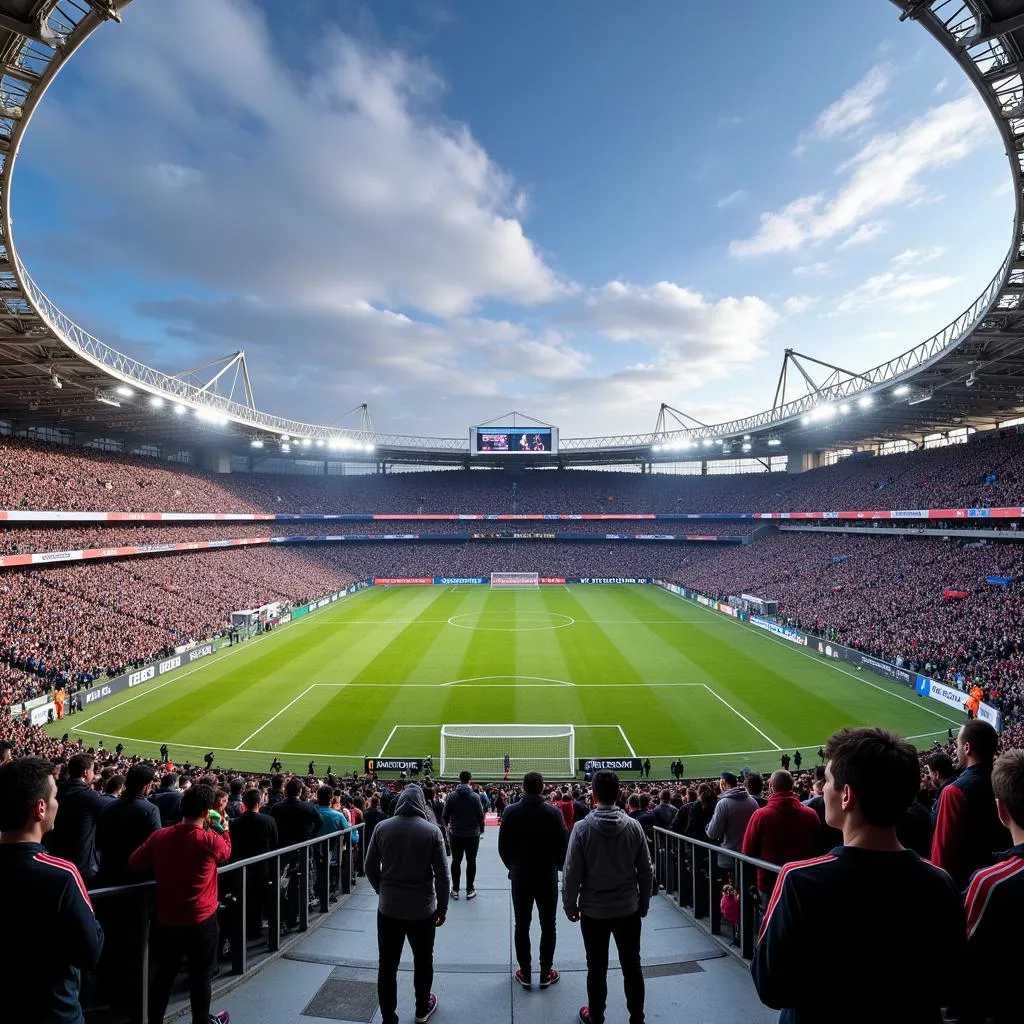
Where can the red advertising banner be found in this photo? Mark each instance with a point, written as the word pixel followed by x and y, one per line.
pixel 402 581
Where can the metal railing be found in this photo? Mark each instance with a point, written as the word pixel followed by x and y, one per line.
pixel 693 879
pixel 295 888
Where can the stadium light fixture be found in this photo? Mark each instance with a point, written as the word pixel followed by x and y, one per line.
pixel 179 410
pixel 747 446
pixel 924 396
pixel 746 437
pixel 56 381
pixel 285 447
pixel 865 401
pixel 124 391
pixel 903 389
pixel 805 421
pixel 319 442
pixel 157 402
pixel 707 442
pixel 306 442
pixel 843 409
pixel 774 442
pixel 108 401
pixel 256 443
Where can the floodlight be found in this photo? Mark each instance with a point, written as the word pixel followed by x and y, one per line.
pixel 179 409
pixel 901 390
pixel 865 401
pixel 156 401
pixel 124 391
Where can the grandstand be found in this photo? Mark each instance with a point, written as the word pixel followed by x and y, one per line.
pixel 141 510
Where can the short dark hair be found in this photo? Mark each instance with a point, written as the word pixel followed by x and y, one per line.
pixel 942 764
pixel 79 765
pixel 324 796
pixel 982 737
pixel 465 776
pixel 533 783
pixel 23 783
pixel 1008 784
pixel 276 781
pixel 755 784
pixel 197 800
pixel 251 799
pixel 139 776
pixel 729 779
pixel 880 767
pixel 113 784
pixel 236 786
pixel 665 796
pixel 293 787
pixel 606 786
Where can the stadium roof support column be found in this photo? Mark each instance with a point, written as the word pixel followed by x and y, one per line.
pixel 214 461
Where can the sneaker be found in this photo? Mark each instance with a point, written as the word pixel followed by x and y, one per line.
pixel 471 894
pixel 220 1018
pixel 522 979
pixel 455 894
pixel 584 1015
pixel 551 979
pixel 431 1007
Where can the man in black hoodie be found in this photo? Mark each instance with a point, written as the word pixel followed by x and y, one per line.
pixel 74 831
pixel 606 886
pixel 531 844
pixel 406 865
pixel 464 816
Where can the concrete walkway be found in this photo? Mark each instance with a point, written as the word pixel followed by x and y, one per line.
pixel 331 975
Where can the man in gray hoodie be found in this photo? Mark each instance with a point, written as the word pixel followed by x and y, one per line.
pixel 407 867
pixel 728 824
pixel 606 886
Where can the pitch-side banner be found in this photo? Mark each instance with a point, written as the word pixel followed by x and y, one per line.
pixel 412 765
pixel 614 764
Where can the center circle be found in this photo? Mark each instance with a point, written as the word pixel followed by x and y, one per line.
pixel 481 621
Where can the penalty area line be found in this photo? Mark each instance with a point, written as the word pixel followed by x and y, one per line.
pixel 273 718
pixel 760 732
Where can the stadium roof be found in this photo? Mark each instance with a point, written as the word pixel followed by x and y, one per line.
pixel 54 373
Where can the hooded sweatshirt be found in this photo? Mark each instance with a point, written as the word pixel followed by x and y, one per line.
pixel 728 824
pixel 405 861
pixel 608 870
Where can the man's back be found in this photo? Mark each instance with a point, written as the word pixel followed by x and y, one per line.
pixel 74 831
pixel 123 826
pixel 296 820
pixel 869 908
pixel 51 935
pixel 168 803
pixel 464 812
pixel 252 833
pixel 532 839
pixel 372 817
pixel 783 830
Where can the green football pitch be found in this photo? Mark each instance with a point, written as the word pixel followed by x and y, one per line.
pixel 634 669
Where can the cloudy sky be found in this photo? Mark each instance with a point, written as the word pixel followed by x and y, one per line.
pixel 450 209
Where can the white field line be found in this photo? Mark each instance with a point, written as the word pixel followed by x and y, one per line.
pixel 821 660
pixel 499 686
pixel 387 741
pixel 744 717
pixel 625 739
pixel 272 718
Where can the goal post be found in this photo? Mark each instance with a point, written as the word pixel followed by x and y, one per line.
pixel 482 749
pixel 528 580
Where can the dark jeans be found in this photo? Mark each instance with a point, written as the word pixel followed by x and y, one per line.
pixel 597 931
pixel 467 845
pixel 543 892
pixel 391 935
pixel 198 944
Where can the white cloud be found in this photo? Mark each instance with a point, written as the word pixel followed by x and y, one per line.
pixel 1004 188
pixel 339 183
pixel 811 270
pixel 864 234
pixel 915 257
pixel 798 304
pixel 682 323
pixel 940 85
pixel 853 110
pixel 733 197
pixel 895 291
pixel 886 172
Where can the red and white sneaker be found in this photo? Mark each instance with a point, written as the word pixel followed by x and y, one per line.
pixel 524 981
pixel 431 1007
pixel 551 979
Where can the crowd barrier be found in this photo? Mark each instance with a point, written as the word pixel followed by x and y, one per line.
pixel 692 879
pixel 286 883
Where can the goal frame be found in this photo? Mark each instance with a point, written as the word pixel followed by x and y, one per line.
pixel 515 731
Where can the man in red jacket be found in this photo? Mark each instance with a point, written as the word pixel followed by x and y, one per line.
pixel 783 830
pixel 183 858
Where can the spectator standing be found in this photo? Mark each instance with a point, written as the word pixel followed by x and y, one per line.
pixel 464 816
pixel 889 897
pixel 781 831
pixel 532 842
pixel 967 828
pixel 183 859
pixel 940 774
pixel 372 817
pixel 253 833
pixel 168 800
pixel 754 785
pixel 73 836
pixel 124 825
pixel 565 806
pixel 405 863
pixel 995 907
pixel 728 824
pixel 57 934
pixel 296 822
pixel 606 886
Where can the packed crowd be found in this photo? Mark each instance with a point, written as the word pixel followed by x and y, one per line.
pixel 986 472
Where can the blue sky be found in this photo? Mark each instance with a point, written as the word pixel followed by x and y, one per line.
pixel 449 210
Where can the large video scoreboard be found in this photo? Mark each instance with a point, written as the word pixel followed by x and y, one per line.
pixel 532 440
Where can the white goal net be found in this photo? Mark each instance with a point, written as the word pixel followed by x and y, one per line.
pixel 483 749
pixel 515 579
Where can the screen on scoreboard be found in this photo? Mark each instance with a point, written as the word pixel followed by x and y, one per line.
pixel 514 440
